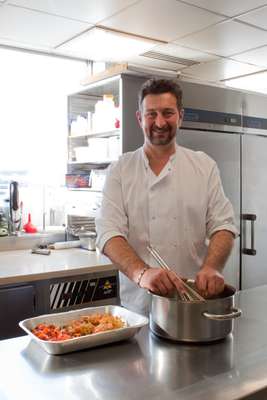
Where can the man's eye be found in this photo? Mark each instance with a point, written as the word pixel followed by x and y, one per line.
pixel 168 114
pixel 151 115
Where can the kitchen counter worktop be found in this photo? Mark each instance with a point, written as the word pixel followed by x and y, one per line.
pixel 147 367
pixel 21 265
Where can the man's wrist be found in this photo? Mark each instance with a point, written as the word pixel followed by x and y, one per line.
pixel 141 274
pixel 207 267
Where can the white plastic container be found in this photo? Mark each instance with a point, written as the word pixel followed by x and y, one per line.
pixel 105 114
pixel 113 148
pixel 82 153
pixel 97 178
pixel 65 245
pixel 98 148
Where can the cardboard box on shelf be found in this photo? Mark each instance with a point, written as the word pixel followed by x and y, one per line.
pixel 78 180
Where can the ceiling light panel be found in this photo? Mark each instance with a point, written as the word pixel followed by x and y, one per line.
pixel 103 45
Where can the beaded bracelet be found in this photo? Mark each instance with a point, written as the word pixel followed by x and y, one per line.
pixel 140 276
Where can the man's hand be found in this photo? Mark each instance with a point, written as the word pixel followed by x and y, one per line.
pixel 160 281
pixel 209 282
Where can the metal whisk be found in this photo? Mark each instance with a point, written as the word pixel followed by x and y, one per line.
pixel 190 294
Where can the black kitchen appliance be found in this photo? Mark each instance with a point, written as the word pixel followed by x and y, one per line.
pixel 15 212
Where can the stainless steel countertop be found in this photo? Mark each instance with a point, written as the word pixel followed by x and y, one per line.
pixel 146 367
pixel 21 265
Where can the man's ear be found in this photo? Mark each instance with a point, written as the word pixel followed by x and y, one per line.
pixel 181 116
pixel 139 117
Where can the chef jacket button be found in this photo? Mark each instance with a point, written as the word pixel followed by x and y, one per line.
pixel 153 217
pixel 174 217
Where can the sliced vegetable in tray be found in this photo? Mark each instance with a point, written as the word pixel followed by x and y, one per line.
pixel 85 325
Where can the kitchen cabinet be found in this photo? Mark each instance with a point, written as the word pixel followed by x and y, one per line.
pixel 29 299
pixel 16 304
pixel 102 125
pixel 33 284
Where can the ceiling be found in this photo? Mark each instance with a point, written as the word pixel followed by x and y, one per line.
pixel 207 40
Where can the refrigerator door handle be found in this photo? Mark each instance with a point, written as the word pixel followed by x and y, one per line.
pixel 252 251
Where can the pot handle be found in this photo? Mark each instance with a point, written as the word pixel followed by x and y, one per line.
pixel 236 312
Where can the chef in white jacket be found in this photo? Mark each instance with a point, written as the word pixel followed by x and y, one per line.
pixel 168 197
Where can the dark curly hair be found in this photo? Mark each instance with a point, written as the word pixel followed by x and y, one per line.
pixel 159 86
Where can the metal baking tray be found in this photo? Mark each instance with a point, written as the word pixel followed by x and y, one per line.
pixel 134 322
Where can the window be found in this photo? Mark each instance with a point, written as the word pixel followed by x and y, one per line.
pixel 33 130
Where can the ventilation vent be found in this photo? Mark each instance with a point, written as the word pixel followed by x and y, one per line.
pixel 73 293
pixel 172 59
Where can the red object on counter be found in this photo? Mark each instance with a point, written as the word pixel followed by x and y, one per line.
pixel 117 123
pixel 29 227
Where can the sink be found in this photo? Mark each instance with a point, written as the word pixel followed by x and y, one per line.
pixel 24 241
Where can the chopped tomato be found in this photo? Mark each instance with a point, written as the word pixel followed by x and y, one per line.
pixel 93 323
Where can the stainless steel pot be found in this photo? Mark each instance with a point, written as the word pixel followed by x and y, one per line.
pixel 88 240
pixel 193 321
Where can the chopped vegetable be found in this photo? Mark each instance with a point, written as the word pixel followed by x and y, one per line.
pixel 85 325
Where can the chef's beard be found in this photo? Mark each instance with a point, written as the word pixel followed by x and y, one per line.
pixel 161 136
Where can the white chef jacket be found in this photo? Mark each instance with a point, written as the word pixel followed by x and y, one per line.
pixel 175 212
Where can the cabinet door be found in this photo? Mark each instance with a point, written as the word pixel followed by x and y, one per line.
pixel 254 211
pixel 16 304
pixel 224 148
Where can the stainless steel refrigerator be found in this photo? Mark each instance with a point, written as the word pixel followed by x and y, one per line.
pixel 224 149
pixel 254 210
pixel 230 127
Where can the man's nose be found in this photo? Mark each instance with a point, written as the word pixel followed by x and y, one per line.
pixel 160 120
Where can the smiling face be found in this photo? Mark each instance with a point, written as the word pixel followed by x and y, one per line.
pixel 160 118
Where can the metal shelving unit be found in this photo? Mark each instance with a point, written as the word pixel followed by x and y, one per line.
pixel 115 132
pixel 124 89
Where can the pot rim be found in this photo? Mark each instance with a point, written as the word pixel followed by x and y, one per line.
pixel 174 299
pixel 87 234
